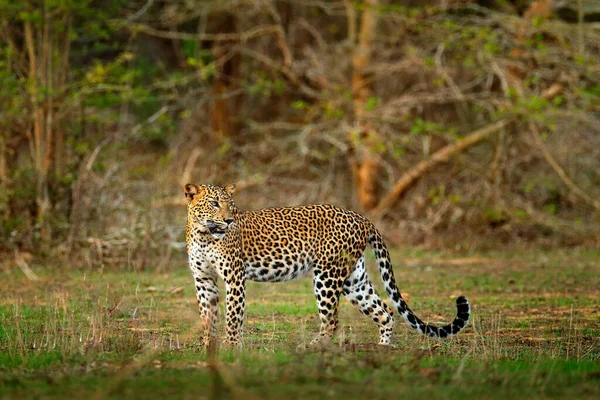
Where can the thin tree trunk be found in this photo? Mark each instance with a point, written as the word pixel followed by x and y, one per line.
pixel 227 73
pixel 367 166
pixel 47 54
pixel 48 83
pixel 40 71
pixel 4 208
pixel 60 80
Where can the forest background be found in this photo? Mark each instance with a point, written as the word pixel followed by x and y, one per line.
pixel 460 124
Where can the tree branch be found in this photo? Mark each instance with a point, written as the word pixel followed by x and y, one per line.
pixel 438 157
pixel 209 37
pixel 446 152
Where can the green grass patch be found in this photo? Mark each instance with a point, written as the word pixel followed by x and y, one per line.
pixel 122 334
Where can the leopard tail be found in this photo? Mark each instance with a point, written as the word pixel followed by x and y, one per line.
pixel 387 275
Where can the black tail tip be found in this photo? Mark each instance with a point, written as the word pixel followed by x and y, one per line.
pixel 463 309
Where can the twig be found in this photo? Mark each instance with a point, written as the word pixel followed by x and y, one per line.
pixel 189 166
pixel 580 30
pixel 281 38
pixel 442 97
pixel 208 37
pixel 141 11
pixel 351 17
pixel 461 107
pixel 501 75
pixel 286 72
pixel 92 157
pixel 135 130
pixel 321 43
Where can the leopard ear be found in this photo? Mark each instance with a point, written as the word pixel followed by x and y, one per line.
pixel 192 190
pixel 230 189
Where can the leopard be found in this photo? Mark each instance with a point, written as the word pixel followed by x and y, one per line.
pixel 285 243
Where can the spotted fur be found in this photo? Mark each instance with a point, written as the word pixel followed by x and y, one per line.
pixel 281 244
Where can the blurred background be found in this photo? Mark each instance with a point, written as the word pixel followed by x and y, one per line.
pixel 459 124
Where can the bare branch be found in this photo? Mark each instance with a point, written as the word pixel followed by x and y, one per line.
pixel 260 30
pixel 351 16
pixel 141 11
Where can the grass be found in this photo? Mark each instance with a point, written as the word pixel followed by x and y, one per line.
pixel 124 334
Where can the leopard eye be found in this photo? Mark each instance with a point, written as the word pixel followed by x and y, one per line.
pixel 215 204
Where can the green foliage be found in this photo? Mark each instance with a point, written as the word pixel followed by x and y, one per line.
pixel 11 89
pixel 436 194
pixel 592 91
pixel 551 208
pixel 265 86
pixel 466 42
pixel 224 148
pixel 422 127
pixel 392 8
pixel 299 105
pixel 201 60
pixel 372 102
pixel 398 152
pixel 375 144
pixel 85 97
pixel 333 112
pixel 496 215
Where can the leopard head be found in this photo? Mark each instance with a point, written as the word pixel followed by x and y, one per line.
pixel 210 208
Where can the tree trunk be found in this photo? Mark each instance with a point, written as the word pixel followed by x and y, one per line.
pixel 366 166
pixel 47 49
pixel 4 209
pixel 38 135
pixel 227 77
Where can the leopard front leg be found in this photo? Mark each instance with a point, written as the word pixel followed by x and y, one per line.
pixel 207 294
pixel 235 285
pixel 327 291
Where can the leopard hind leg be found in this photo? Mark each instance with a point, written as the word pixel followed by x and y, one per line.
pixel 360 291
